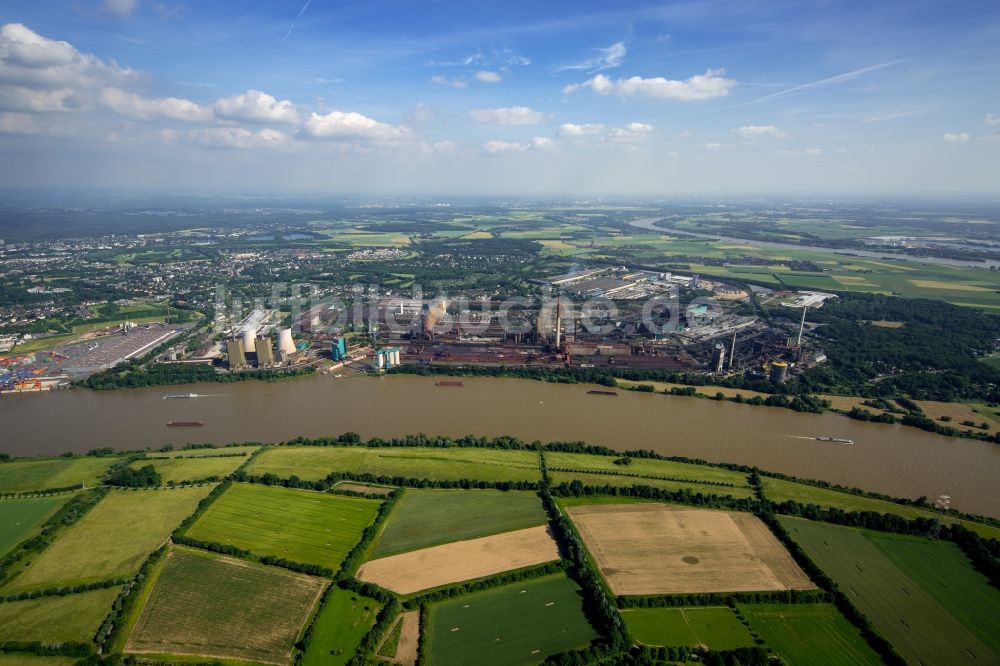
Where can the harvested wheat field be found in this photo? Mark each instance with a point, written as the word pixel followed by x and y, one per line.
pixel 460 561
pixel 661 549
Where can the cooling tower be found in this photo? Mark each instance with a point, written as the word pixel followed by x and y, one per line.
pixel 285 342
pixel 249 341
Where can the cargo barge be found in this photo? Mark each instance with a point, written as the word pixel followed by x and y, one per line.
pixel 445 382
pixel 835 440
pixel 596 392
pixel 184 424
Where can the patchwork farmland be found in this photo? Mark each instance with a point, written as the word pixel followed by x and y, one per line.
pixel 21 517
pixel 661 549
pixel 715 628
pixel 95 548
pixel 428 517
pixel 922 595
pixel 203 604
pixel 298 525
pixel 289 569
pixel 423 569
pixel 513 624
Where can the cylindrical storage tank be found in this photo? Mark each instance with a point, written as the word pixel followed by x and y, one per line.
pixel 285 341
pixel 779 372
pixel 249 341
pixel 381 359
pixel 395 357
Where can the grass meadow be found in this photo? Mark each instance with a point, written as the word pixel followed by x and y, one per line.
pixel 423 518
pixel 43 473
pixel 204 604
pixel 809 634
pixel 717 628
pixel 191 469
pixel 645 467
pixel 779 490
pixel 341 624
pixel 436 464
pixel 19 518
pixel 594 479
pixel 112 539
pixel 298 525
pixel 74 617
pixel 520 623
pixel 922 595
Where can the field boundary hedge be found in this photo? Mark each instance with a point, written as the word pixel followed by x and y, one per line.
pixel 610 472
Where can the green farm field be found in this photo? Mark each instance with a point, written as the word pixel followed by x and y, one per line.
pixel 338 629
pixel 94 549
pixel 425 518
pixel 922 595
pixel 298 525
pixel 74 617
pixel 43 473
pixel 191 469
pixel 436 464
pixel 809 634
pixel 714 628
pixel 779 490
pixel 520 623
pixel 23 659
pixel 206 452
pixel 19 518
pixel 621 481
pixel 208 605
pixel 645 467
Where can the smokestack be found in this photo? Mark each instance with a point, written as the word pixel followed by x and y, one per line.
pixel 802 325
pixel 732 351
pixel 558 320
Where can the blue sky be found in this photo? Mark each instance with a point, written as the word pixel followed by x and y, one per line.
pixel 471 97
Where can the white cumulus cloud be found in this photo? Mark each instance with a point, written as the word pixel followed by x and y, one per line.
pixel 351 126
pixel 497 147
pixel 135 106
pixel 486 76
pixel 254 106
pixel 713 147
pixel 990 119
pixel 508 115
pixel 956 137
pixel 709 85
pixel 572 129
pixel 754 131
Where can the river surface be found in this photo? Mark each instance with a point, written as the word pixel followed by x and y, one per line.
pixel 893 459
pixel 649 224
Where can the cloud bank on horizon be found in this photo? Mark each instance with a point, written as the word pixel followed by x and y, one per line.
pixel 566 99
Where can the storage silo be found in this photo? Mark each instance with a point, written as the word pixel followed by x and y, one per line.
pixel 285 342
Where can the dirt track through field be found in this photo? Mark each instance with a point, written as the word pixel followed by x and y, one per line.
pixel 661 549
pixel 409 640
pixel 460 561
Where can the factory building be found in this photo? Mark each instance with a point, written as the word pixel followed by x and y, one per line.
pixel 237 353
pixel 338 350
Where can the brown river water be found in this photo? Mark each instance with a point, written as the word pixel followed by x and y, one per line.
pixel 893 459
